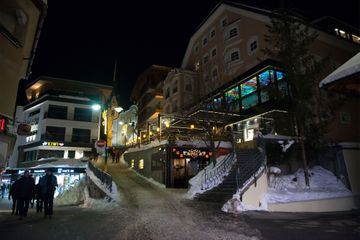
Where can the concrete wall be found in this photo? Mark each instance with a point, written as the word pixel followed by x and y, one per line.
pixel 352 162
pixel 256 192
pixel 324 205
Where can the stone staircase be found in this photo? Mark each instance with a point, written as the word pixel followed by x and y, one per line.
pixel 248 162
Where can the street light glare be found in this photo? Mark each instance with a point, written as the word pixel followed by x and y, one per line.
pixel 96 107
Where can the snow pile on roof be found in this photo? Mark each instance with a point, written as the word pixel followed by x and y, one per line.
pixel 151 180
pixel 72 196
pixel 348 68
pixel 180 143
pixel 195 182
pixel 323 184
pixel 64 163
pixel 153 144
pixel 114 194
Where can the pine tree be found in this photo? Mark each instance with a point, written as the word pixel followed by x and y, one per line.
pixel 290 39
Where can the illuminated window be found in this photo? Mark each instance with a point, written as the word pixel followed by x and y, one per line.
pixel 250 101
pixel 132 163
pixel 232 98
pixel 265 78
pixel 248 87
pixel 279 75
pixel 141 164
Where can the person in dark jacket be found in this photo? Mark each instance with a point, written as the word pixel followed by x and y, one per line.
pixel 39 198
pixel 26 193
pixel 48 185
pixel 13 194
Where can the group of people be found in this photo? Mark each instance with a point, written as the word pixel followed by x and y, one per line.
pixel 115 155
pixel 24 191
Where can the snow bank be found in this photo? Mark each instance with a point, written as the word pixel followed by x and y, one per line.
pixel 195 182
pixel 72 196
pixel 114 195
pixel 98 204
pixel 323 184
pixel 63 162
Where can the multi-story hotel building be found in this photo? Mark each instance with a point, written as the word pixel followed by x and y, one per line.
pixel 233 74
pixel 20 27
pixel 63 122
pixel 148 95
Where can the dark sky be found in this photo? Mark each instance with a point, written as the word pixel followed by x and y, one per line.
pixel 81 38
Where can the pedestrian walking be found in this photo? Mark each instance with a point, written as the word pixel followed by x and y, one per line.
pixel 39 198
pixel 117 156
pixel 3 188
pixel 26 187
pixel 14 195
pixel 48 184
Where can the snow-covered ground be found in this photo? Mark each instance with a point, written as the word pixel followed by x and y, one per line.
pixel 151 180
pixel 97 204
pixel 292 188
pixel 323 184
pixel 195 182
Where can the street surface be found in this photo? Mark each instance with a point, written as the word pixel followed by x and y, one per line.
pixel 146 211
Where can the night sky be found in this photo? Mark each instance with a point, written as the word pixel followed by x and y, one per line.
pixel 81 38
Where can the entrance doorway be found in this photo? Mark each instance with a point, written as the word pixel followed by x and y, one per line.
pixel 180 173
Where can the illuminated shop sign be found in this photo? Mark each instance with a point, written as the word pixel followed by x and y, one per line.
pixel 60 170
pixel 53 144
pixel 193 153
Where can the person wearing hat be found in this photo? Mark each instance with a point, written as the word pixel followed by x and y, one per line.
pixel 48 184
pixel 26 187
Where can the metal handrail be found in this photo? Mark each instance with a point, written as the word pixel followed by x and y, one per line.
pixel 104 177
pixel 242 175
pixel 215 175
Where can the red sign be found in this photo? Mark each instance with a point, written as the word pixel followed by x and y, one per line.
pixel 2 124
pixel 100 143
pixel 24 129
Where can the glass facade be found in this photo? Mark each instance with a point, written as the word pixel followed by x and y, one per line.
pixel 248 87
pixel 251 92
pixel 232 98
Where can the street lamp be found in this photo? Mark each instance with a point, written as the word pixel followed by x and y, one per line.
pixel 96 107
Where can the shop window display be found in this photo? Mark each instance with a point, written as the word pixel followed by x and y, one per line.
pixel 266 77
pixel 248 87
pixel 250 101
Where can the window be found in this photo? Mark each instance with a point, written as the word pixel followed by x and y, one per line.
pixel 141 164
pixel 232 98
pixel 81 135
pixel 132 163
pixel 233 32
pixel 266 77
pixel 197 66
pixel 174 90
pixel 51 153
pixel 71 154
pixel 253 46
pixel 248 87
pixel 214 73
pixel 249 101
pixel 205 41
pixel 212 33
pixel 196 48
pixel 30 156
pixel 57 112
pixel 167 94
pixel 206 58
pixel 224 22
pixel 264 96
pixel 279 75
pixel 174 106
pixel 217 103
pixel 213 52
pixel 56 134
pixel 83 114
pixel 188 85
pixel 235 56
